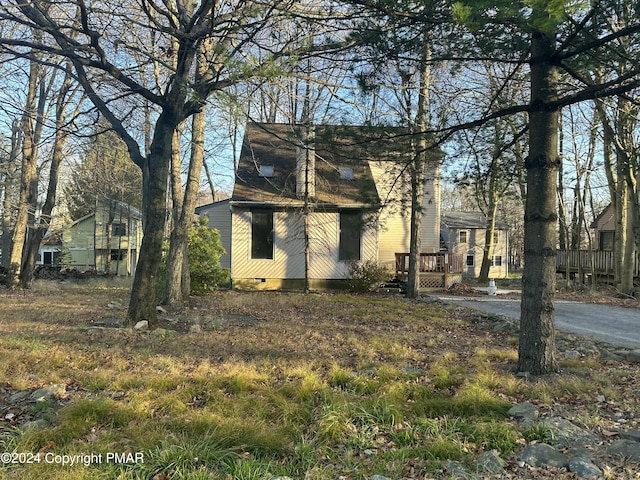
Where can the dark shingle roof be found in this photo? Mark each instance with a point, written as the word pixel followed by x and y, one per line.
pixel 336 147
pixel 468 220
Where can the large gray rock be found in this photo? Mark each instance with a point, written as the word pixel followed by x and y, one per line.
pixel 542 455
pixel 524 412
pixel 490 462
pixel 626 448
pixel 457 470
pixel 48 392
pixel 564 433
pixel 633 356
pixel 584 468
pixel 630 435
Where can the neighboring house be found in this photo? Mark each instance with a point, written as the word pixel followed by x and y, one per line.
pixel 357 197
pixel 604 227
pixel 107 240
pixel 465 232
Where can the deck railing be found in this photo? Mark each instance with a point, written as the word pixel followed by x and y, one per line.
pixel 580 261
pixel 432 262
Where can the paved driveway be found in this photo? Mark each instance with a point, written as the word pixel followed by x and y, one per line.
pixel 616 325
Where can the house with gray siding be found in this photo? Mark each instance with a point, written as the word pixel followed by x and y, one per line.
pixel 343 189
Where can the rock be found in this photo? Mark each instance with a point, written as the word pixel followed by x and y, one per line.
pixel 626 448
pixel 379 477
pixel 141 325
pixel 584 468
pixel 161 310
pixel 543 455
pixel 195 328
pixel 490 462
pixel 110 322
pixel 19 396
pixel 633 356
pixel 47 393
pixel 524 412
pixel 457 470
pixel 564 433
pixel 630 435
pixel 571 354
pixel 115 306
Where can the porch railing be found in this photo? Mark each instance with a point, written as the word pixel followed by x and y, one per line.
pixel 432 262
pixel 580 261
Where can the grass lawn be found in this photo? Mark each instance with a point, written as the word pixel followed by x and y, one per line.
pixel 322 386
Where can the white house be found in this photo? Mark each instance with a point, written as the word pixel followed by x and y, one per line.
pixel 351 184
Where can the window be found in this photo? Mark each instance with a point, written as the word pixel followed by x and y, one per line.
pixel 469 260
pixel 607 240
pixel 50 258
pixel 262 234
pixel 346 173
pixel 117 255
pixel 119 229
pixel 462 236
pixel 496 237
pixel 265 171
pixel 350 235
pixel 496 261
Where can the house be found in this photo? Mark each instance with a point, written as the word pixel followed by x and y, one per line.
pixel 106 240
pixel 465 232
pixel 604 227
pixel 347 184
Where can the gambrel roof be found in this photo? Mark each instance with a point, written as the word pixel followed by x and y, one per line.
pixel 342 154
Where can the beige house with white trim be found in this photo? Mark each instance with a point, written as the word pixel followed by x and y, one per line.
pixel 357 197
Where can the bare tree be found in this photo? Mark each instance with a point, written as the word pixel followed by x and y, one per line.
pixel 117 50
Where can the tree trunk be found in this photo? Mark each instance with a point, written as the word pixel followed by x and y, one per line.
pixel 536 353
pixel 175 257
pixel 487 254
pixel 33 247
pixel 10 191
pixel 155 170
pixel 28 177
pixel 418 173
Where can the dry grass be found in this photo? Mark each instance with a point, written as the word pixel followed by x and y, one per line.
pixel 314 387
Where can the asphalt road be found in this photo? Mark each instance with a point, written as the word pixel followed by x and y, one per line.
pixel 615 325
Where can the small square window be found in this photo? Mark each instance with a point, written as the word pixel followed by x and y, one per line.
pixel 496 261
pixel 346 173
pixel 265 171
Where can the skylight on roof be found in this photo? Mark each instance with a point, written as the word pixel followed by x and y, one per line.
pixel 265 171
pixel 346 173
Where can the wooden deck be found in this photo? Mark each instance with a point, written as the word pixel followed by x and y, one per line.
pixel 437 270
pixel 579 261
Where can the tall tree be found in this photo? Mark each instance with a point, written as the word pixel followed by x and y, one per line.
pixel 103 171
pixel 31 125
pixel 120 72
pixel 551 39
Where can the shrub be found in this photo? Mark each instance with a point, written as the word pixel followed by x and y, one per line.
pixel 363 276
pixel 205 250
